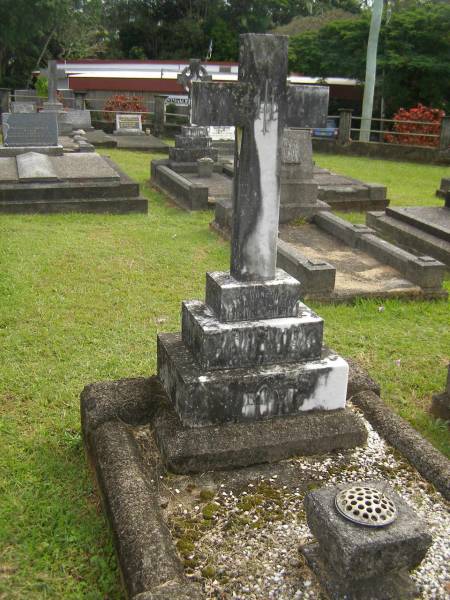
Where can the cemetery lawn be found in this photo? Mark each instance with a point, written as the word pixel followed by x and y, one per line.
pixel 81 300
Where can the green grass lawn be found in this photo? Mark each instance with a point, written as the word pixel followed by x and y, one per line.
pixel 82 298
pixel 408 184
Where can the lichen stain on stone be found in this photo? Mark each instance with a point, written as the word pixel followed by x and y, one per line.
pixel 259 247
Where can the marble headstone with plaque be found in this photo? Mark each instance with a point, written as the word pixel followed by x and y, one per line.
pixel 128 124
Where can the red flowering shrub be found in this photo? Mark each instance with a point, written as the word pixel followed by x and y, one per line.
pixel 426 121
pixel 122 103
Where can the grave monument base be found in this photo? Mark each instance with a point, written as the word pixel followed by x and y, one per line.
pixel 8 151
pixel 77 182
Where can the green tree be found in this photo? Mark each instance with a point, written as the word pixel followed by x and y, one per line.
pixel 413 53
pixel 371 70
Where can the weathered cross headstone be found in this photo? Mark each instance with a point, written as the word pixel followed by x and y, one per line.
pixel 52 104
pixel 194 72
pixel 194 142
pixel 260 105
pixel 253 351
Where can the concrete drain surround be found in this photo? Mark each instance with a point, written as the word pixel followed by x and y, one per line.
pixel 357 262
pixel 143 505
pixel 182 184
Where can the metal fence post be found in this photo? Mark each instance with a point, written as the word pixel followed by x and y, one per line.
pixel 160 115
pixel 345 125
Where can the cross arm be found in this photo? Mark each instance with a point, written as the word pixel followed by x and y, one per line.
pixel 307 105
pixel 222 104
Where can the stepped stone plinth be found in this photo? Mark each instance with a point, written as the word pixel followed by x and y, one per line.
pixel 193 143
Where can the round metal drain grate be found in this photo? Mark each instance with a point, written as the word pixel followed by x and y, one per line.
pixel 366 506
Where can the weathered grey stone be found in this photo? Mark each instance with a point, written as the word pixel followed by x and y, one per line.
pixel 205 167
pixel 8 170
pixel 52 104
pixel 430 463
pixel 87 183
pixel 35 167
pixel 192 154
pixel 440 403
pixel 392 586
pixel 81 167
pixel 296 154
pixel 317 276
pixel 418 229
pixel 444 187
pixel 247 394
pixel 185 193
pixel 233 300
pixel 197 450
pixel 29 129
pixel 147 557
pixel 76 119
pixel 193 141
pixel 358 552
pixel 217 345
pixel 250 104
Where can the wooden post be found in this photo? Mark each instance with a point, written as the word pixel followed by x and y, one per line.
pixel 160 115
pixel 444 139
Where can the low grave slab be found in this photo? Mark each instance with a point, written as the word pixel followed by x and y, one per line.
pixel 146 143
pixel 77 182
pixel 35 167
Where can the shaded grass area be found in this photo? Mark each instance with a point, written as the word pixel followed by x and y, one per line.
pixel 81 299
pixel 408 184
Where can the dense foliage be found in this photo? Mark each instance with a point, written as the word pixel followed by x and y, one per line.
pixel 415 126
pixel 414 47
pixel 413 54
pixel 123 103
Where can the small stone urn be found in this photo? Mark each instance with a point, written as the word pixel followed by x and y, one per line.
pixel 205 167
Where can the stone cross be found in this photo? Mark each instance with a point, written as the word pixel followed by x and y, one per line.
pixel 260 105
pixel 52 82
pixel 52 103
pixel 194 72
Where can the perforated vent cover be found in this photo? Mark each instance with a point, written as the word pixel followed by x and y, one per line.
pixel 366 506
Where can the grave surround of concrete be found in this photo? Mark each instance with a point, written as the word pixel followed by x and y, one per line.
pixel 232 416
pixel 422 230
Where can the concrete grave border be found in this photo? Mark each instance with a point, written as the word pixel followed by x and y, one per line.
pixel 150 567
pixel 319 275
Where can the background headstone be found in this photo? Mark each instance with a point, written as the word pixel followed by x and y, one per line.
pixel 30 129
pixel 128 124
pixel 23 107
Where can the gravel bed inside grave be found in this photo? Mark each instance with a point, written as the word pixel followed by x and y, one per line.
pixel 238 533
